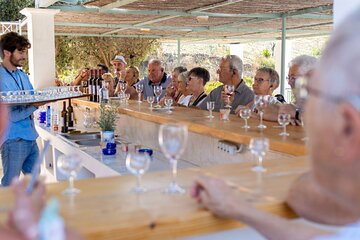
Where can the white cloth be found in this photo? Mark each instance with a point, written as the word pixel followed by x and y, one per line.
pixel 184 100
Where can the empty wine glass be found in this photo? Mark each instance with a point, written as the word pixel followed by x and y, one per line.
pixel 283 120
pixel 70 165
pixel 259 147
pixel 127 98
pixel 229 90
pixel 150 100
pixel 260 104
pixel 210 106
pixel 172 140
pixel 138 163
pixel 245 114
pixel 168 102
pixel 157 92
pixel 139 90
pixel 123 86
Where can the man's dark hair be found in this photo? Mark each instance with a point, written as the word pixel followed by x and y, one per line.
pixel 201 73
pixel 11 41
pixel 180 69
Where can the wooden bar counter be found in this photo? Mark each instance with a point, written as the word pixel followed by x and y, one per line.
pixel 105 209
pixel 197 123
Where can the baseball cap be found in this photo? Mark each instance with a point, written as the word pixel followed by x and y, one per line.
pixel 119 58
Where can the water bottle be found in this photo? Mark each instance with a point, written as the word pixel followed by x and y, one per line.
pixel 48 117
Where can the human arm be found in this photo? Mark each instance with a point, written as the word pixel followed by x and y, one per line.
pixel 310 201
pixel 224 201
pixel 18 113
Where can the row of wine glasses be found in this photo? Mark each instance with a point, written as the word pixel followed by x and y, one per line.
pixel 51 93
pixel 172 140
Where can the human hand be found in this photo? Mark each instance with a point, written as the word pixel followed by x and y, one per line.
pixel 271 112
pixel 25 215
pixel 218 197
pixel 227 98
pixel 58 82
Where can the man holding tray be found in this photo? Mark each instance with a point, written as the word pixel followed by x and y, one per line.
pixel 18 147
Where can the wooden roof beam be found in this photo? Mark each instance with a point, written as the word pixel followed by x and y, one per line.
pixel 117 4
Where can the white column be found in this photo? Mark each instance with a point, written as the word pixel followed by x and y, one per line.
pixel 238 50
pixel 343 8
pixel 277 55
pixel 41 34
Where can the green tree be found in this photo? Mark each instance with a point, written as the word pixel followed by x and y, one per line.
pixel 74 53
pixel 10 9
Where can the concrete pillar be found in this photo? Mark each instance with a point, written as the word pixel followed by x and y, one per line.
pixel 343 8
pixel 277 55
pixel 41 34
pixel 238 50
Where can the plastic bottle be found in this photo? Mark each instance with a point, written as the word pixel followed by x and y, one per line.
pixel 48 117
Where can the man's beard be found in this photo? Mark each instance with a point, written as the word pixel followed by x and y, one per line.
pixel 16 62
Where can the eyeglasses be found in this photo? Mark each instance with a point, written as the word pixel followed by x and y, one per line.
pixel 292 78
pixel 260 80
pixel 303 91
pixel 192 78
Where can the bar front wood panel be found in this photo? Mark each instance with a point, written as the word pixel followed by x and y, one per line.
pixel 231 130
pixel 105 209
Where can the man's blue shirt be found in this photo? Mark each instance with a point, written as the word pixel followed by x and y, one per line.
pixel 21 123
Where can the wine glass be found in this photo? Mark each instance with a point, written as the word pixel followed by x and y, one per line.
pixel 229 90
pixel 172 140
pixel 210 106
pixel 138 163
pixel 168 102
pixel 150 100
pixel 139 89
pixel 259 147
pixel 245 114
pixel 70 165
pixel 127 98
pixel 123 86
pixel 157 92
pixel 283 120
pixel 260 104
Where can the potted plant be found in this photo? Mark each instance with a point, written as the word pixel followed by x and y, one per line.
pixel 107 124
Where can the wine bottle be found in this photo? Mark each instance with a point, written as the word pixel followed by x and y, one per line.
pixel 70 115
pixel 95 87
pixel 90 85
pixel 64 118
pixel 99 84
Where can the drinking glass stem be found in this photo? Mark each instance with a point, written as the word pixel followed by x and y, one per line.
pixel 245 122
pixel 261 117
pixel 139 97
pixel 71 180
pixel 174 170
pixel 260 160
pixel 284 128
pixel 138 181
pixel 157 99
pixel 211 113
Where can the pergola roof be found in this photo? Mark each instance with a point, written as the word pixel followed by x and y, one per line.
pixel 229 20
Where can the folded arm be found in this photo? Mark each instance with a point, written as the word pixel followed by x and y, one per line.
pixel 19 113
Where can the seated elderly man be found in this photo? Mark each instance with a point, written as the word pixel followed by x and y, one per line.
pixel 230 72
pixel 301 66
pixel 156 77
pixel 197 79
pixel 332 186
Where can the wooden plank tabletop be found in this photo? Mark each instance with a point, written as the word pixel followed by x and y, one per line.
pixel 231 130
pixel 105 209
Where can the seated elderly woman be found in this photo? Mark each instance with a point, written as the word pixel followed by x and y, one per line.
pixel 197 79
pixel 131 78
pixel 266 80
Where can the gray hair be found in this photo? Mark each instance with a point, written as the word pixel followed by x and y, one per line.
pixel 274 76
pixel 338 71
pixel 156 62
pixel 305 63
pixel 183 76
pixel 235 63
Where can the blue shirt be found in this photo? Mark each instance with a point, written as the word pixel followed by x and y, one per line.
pixel 21 123
pixel 149 86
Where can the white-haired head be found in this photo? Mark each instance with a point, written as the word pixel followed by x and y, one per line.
pixel 235 63
pixel 305 64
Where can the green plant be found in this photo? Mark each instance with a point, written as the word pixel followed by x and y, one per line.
pixel 211 85
pixel 248 80
pixel 108 117
pixel 266 53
